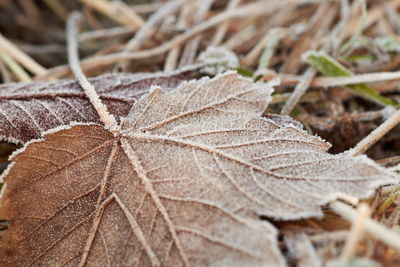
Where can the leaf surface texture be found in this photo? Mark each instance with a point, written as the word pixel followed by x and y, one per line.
pixel 182 183
pixel 27 110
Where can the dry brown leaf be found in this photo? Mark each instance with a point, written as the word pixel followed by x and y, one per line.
pixel 182 183
pixel 29 109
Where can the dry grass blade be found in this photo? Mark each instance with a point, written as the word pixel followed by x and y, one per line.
pixel 274 34
pixel 173 54
pixel 221 30
pixel 299 90
pixel 4 73
pixel 361 78
pixel 356 232
pixel 301 249
pixel 58 8
pixel 105 33
pixel 377 230
pixel 15 68
pixel 148 27
pixel 190 50
pixel 116 12
pixel 21 57
pixel 255 9
pixel 376 134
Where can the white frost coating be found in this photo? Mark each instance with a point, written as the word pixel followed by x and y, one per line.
pixel 14 154
pixel 291 125
pixel 51 131
pixel 302 130
pixel 372 185
pixel 50 104
pixel 10 140
pixel 229 72
pixel 4 174
pixel 193 67
pixel 218 59
pixel 204 80
pixel 265 86
pixel 274 82
pixel 22 149
pixel 154 88
pixel 366 160
pixel 317 213
pixel 164 74
pixel 296 160
pixel 387 112
pixel 67 127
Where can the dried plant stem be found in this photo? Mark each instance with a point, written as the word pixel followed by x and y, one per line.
pixel 392 16
pixel 221 30
pixel 390 198
pixel 336 36
pixel 148 29
pixel 360 78
pixel 356 232
pixel 29 7
pixel 73 58
pixel 375 14
pixel 105 33
pixel 299 245
pixel 21 57
pixel 256 51
pixel 129 13
pixel 15 67
pixel 172 58
pixel 146 8
pixel 376 134
pixel 255 9
pixel 252 56
pixel 150 25
pixel 374 228
pixel 299 90
pixel 57 8
pixel 269 50
pixel 357 34
pixel 246 33
pixel 290 79
pixel 4 73
pixel 189 52
pixel 173 54
pixel 335 236
pixel 310 73
pixel 115 12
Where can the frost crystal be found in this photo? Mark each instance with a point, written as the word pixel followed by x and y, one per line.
pixel 218 59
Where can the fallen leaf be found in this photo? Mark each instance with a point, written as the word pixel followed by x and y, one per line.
pixel 29 109
pixel 183 182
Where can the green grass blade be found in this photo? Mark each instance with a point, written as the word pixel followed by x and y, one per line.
pixel 330 67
